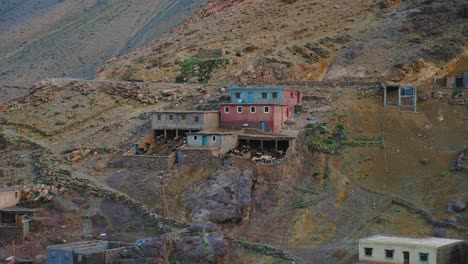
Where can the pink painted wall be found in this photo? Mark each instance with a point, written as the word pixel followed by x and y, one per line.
pixel 292 97
pixel 273 120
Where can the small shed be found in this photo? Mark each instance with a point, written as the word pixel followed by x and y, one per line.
pixel 223 142
pixel 457 81
pixel 9 196
pixel 403 97
pixel 87 252
pixel 407 250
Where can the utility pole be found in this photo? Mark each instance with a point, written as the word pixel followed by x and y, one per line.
pixel 164 206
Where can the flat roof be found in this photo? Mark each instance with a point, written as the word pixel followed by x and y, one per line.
pixel 212 133
pixel 183 112
pixel 9 188
pixel 262 88
pixel 265 136
pixel 265 104
pixel 17 209
pixel 396 240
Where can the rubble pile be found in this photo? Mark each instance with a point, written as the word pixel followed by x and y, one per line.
pixel 41 192
pixel 83 89
pixel 458 98
pixel 124 89
pixel 267 155
pixel 79 154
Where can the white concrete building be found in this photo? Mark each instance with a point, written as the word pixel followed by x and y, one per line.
pixel 405 250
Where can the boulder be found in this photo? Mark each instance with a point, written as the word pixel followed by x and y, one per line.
pixel 169 92
pixel 100 165
pixel 440 232
pixel 201 243
pixel 459 206
pixel 224 196
pixel 424 162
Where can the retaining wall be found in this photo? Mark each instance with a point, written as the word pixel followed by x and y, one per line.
pixel 148 162
pixel 199 158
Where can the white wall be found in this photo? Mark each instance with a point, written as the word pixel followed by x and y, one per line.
pixel 8 198
pixel 378 253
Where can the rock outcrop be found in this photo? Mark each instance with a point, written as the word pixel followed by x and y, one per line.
pixel 223 197
pixel 202 243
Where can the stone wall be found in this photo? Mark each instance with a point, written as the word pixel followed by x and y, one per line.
pixel 199 158
pixel 10 234
pixel 148 162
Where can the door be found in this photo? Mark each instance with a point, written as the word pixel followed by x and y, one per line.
pixel 287 112
pixel 205 141
pixel 250 97
pixel 262 126
pixel 406 258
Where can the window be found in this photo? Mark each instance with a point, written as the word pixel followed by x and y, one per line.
pixel 274 95
pixel 214 138
pixel 171 117
pixel 197 119
pixel 253 109
pixel 239 109
pixel 182 117
pixel 159 117
pixel 292 95
pixel 423 257
pixel 266 109
pixel 368 252
pixel 195 138
pixel 389 254
pixel 237 95
pixel 264 95
pixel 226 109
pixel 16 194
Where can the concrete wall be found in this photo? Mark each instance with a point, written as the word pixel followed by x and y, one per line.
pixel 453 254
pixel 185 121
pixel 378 253
pixel 9 198
pixel 199 158
pixel 212 140
pixel 211 121
pixel 148 162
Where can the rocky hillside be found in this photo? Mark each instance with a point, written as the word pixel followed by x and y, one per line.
pixel 50 38
pixel 306 40
pixel 360 170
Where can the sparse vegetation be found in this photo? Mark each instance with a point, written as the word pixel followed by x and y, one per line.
pixel 199 68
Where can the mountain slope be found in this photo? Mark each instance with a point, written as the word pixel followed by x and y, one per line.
pixel 40 39
pixel 275 41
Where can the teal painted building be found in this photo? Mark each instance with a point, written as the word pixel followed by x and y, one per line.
pixel 266 95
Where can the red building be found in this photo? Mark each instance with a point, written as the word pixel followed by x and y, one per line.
pixel 266 117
